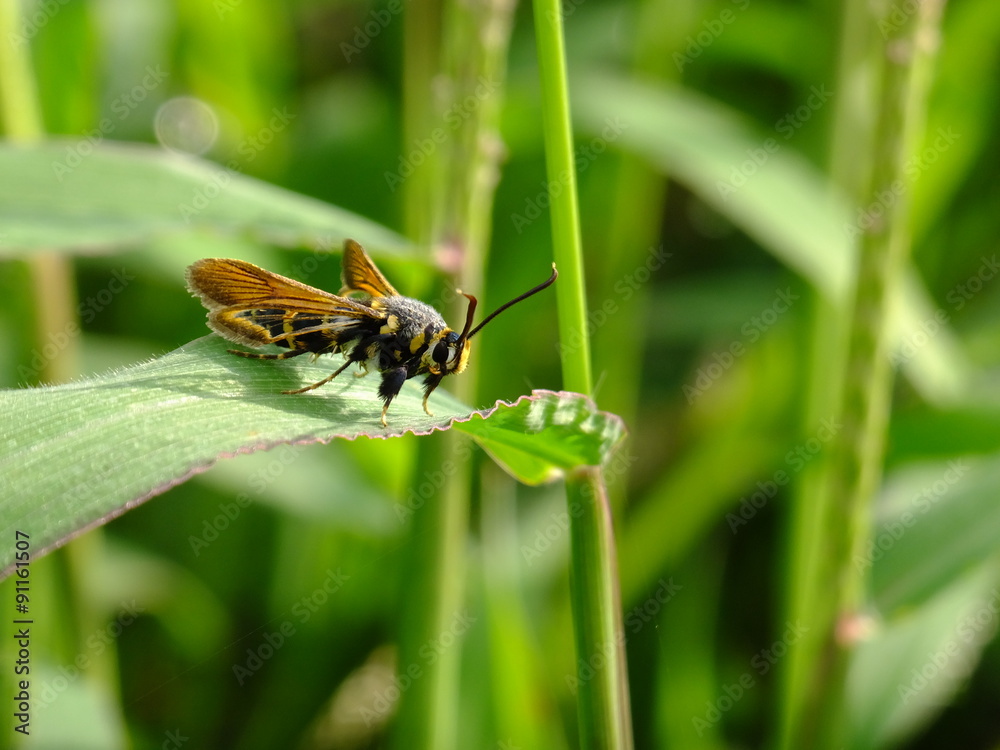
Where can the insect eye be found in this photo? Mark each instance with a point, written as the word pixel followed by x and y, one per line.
pixel 440 353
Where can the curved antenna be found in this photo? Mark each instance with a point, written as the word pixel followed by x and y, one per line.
pixel 544 285
pixel 468 317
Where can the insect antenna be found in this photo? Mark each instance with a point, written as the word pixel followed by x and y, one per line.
pixel 473 302
pixel 467 334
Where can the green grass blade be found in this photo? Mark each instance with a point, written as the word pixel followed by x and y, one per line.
pixel 913 666
pixel 70 194
pixel 605 717
pixel 934 523
pixel 760 184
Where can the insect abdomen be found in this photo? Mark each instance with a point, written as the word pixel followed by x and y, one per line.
pixel 296 330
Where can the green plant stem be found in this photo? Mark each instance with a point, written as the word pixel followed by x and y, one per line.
pixel 605 718
pixel 852 131
pixel 421 57
pixel 855 468
pixel 51 274
pixel 603 702
pixel 566 245
pixel 453 195
pixel 476 39
pixel 19 110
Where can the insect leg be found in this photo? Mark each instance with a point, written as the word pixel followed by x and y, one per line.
pixel 255 355
pixel 430 384
pixel 389 388
pixel 324 381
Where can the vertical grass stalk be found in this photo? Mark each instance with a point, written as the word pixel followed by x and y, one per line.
pixel 51 274
pixel 448 208
pixel 603 703
pixel 858 67
pixel 854 471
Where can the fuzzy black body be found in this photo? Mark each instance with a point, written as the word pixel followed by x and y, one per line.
pixel 394 341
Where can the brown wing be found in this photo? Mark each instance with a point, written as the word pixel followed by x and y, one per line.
pixel 360 274
pixel 255 307
pixel 223 282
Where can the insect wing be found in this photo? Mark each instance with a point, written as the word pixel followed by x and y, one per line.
pixel 223 282
pixel 251 306
pixel 360 274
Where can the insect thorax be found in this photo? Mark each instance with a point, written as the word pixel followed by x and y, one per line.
pixel 409 318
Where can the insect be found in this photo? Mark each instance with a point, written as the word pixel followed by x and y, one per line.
pixel 382 330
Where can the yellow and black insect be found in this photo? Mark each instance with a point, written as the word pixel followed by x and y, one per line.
pixel 398 336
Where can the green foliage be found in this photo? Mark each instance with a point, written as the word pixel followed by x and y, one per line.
pixel 719 261
pixel 82 453
pixel 98 197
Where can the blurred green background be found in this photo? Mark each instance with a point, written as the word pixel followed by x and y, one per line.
pixel 258 604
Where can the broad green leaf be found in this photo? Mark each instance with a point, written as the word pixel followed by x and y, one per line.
pixel 545 434
pixel 912 666
pixel 70 194
pixel 760 183
pixel 88 714
pixel 935 521
pixel 74 456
